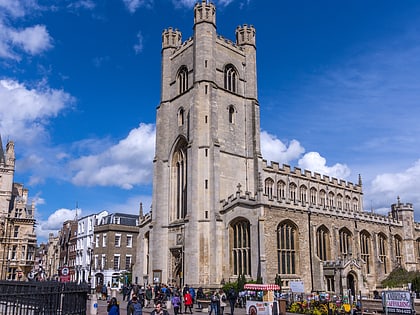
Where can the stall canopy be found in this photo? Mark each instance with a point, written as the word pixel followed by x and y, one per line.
pixel 261 287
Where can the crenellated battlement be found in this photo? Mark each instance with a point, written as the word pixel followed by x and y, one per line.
pixel 245 35
pixel 308 175
pixel 171 38
pixel 402 206
pixel 204 12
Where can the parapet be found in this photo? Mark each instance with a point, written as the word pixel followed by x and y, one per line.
pixel 204 12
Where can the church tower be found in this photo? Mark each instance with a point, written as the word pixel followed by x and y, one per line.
pixel 207 147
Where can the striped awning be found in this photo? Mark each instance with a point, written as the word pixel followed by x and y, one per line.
pixel 261 287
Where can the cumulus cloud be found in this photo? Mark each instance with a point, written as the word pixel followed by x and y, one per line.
pixel 138 47
pixel 275 150
pixel 387 186
pixel 123 165
pixel 33 40
pixel 24 111
pixel 314 162
pixel 54 222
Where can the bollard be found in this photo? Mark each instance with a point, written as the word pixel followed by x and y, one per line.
pixel 93 305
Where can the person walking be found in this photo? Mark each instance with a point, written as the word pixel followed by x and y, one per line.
pixel 113 308
pixel 135 308
pixel 188 302
pixel 159 310
pixel 214 303
pixel 223 300
pixel 200 296
pixel 176 303
pixel 149 295
pixel 232 300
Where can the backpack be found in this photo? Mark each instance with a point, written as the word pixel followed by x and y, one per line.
pixel 138 310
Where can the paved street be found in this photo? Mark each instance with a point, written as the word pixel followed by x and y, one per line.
pixel 101 310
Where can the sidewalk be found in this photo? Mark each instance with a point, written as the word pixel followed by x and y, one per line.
pixel 102 305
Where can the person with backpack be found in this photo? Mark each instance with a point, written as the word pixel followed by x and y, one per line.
pixel 214 303
pixel 135 307
pixel 113 308
pixel 176 303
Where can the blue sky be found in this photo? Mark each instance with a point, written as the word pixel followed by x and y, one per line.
pixel 338 86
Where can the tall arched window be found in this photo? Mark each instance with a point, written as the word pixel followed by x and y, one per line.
pixel 182 79
pixel 382 250
pixel 231 78
pixel 365 249
pixel 240 240
pixel 268 188
pixel 286 248
pixel 292 192
pixel 179 181
pixel 313 193
pixel 340 201
pixel 323 243
pixel 303 192
pixel 180 117
pixel 345 243
pixel 355 204
pixel 418 248
pixel 347 203
pixel 322 198
pixel 331 200
pixel 281 189
pixel 398 249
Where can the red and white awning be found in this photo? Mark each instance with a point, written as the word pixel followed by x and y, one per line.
pixel 261 287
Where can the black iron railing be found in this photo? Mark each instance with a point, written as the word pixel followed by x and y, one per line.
pixel 43 298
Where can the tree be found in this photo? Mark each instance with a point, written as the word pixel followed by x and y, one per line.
pixel 399 277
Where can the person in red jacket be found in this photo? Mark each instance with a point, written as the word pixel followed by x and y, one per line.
pixel 188 302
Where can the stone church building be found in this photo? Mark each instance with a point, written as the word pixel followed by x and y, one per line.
pixel 220 210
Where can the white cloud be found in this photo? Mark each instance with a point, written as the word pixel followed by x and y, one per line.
pixel 82 4
pixel 54 223
pixel 275 150
pixel 386 187
pixel 314 162
pixel 138 47
pixel 124 165
pixel 24 111
pixel 32 40
pixel 133 5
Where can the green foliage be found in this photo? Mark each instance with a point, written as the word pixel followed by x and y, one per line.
pixel 415 284
pixel 226 287
pixel 241 282
pixel 399 277
pixel 277 281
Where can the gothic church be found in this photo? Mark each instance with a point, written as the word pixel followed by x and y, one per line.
pixel 220 210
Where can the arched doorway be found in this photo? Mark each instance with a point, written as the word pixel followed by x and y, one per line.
pixel 351 284
pixel 99 279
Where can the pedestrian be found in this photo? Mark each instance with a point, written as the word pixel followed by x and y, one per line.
pixel 104 292
pixel 159 310
pixel 176 303
pixel 188 302
pixel 125 292
pixel 200 296
pixel 130 301
pixel 214 303
pixel 149 295
pixel 192 292
pixel 223 300
pixel 113 307
pixel 135 308
pixel 232 300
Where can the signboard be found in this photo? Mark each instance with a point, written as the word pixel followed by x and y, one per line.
pixel 397 302
pixel 296 286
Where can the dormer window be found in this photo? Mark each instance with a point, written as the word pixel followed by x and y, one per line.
pixel 182 79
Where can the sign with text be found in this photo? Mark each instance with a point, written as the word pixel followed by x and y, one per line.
pixel 397 302
pixel 296 286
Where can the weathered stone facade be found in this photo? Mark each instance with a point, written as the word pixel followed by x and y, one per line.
pixel 219 210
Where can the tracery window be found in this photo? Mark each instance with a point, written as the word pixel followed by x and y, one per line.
pixel 323 243
pixel 286 248
pixel 340 201
pixel 240 237
pixel 292 192
pixel 382 245
pixel 281 189
pixel 313 196
pixel 179 181
pixel 347 203
pixel 322 197
pixel 365 249
pixel 268 188
pixel 345 243
pixel 418 248
pixel 355 204
pixel 231 78
pixel 398 249
pixel 303 192
pixel 182 79
pixel 331 199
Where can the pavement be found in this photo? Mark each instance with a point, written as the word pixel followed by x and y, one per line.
pixel 101 306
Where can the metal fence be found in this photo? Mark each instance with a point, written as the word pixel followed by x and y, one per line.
pixel 43 298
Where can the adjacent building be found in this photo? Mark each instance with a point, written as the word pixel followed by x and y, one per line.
pixel 220 210
pixel 115 243
pixel 17 222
